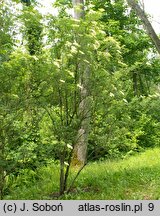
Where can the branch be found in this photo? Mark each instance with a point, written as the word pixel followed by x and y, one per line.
pixel 150 31
pixel 72 183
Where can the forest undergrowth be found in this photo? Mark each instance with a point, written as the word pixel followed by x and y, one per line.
pixel 134 177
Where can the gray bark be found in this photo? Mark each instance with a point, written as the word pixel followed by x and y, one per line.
pixel 80 148
pixel 80 151
pixel 78 8
pixel 149 29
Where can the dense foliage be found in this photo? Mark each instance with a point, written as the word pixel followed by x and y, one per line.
pixel 40 87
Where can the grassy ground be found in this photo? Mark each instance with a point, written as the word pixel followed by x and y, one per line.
pixel 136 177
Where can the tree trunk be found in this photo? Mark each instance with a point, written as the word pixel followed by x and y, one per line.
pixel 78 8
pixel 150 31
pixel 80 148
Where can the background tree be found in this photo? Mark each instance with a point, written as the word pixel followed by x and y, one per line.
pixel 150 31
pixel 7 114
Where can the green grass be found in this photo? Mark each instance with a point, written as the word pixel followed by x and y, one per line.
pixel 135 177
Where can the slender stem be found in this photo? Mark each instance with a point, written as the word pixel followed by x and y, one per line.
pixel 73 181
